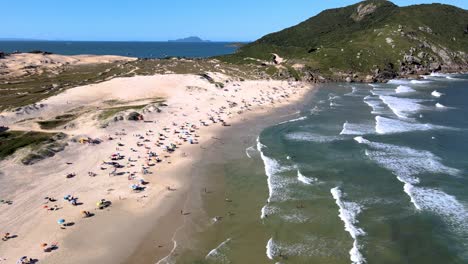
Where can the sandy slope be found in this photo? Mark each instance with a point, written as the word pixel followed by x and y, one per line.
pixel 190 100
pixel 16 65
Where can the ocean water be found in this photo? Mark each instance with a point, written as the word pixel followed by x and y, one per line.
pixel 368 174
pixel 132 49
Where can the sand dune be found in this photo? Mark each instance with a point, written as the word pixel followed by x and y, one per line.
pixel 196 111
pixel 16 65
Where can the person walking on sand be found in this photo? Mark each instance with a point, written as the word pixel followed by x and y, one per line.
pixel 6 237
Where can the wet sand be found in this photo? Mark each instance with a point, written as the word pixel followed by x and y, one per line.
pixel 207 191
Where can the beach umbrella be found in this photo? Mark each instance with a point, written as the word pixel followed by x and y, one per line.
pixel 44 245
pixel 61 221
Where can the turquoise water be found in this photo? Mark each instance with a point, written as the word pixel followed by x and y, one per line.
pixel 367 174
pixel 132 49
pixel 386 162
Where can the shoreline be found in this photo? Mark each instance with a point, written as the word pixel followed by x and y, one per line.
pixel 115 233
pixel 244 131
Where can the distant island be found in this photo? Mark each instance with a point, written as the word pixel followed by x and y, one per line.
pixel 192 39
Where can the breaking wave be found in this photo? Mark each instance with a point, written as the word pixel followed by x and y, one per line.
pixel 304 179
pixel 402 107
pixel 404 89
pixel 386 125
pixel 348 212
pixel 357 129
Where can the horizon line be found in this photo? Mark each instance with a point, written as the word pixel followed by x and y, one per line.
pixel 172 41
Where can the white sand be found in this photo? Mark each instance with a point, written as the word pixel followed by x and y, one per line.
pixel 27 186
pixel 19 64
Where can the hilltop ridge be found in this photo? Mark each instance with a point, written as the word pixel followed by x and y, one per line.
pixel 373 40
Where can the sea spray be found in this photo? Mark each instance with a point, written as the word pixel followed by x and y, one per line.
pixel 348 212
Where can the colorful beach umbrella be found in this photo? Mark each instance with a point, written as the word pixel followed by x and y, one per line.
pixel 61 221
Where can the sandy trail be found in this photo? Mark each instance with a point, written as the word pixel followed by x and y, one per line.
pixel 196 109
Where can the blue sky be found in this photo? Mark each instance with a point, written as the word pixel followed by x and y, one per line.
pixel 239 20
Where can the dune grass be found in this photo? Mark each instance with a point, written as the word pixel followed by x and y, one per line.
pixel 57 121
pixel 11 141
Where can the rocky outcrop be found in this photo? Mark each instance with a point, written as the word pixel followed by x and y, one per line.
pixel 363 10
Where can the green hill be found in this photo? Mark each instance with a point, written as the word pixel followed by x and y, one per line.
pixel 370 41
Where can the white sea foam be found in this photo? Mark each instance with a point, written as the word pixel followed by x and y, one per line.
pixel 268 210
pixel 217 255
pixel 357 129
pixel 248 150
pixel 348 212
pixel 332 99
pixel 402 107
pixel 439 105
pixel 312 137
pixel 296 218
pixel 304 179
pixel 271 249
pixel 316 110
pixel 419 82
pixel 398 81
pixel 385 125
pixel 382 91
pixel 271 167
pixel 441 203
pixel 404 89
pixel 276 249
pixel 294 120
pixel 451 78
pixel 438 74
pixel 405 162
pixel 376 104
pixel 260 146
pixel 436 94
pixel 354 91
pixel 404 81
pixel 361 140
pixel 277 185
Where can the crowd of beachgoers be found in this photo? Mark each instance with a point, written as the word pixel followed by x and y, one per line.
pixel 123 162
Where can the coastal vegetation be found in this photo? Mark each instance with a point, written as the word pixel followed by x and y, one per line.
pixel 370 41
pixel 57 121
pixel 11 141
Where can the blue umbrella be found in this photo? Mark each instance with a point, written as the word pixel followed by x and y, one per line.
pixel 61 221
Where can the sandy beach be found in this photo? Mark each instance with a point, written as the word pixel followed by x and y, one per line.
pixel 142 170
